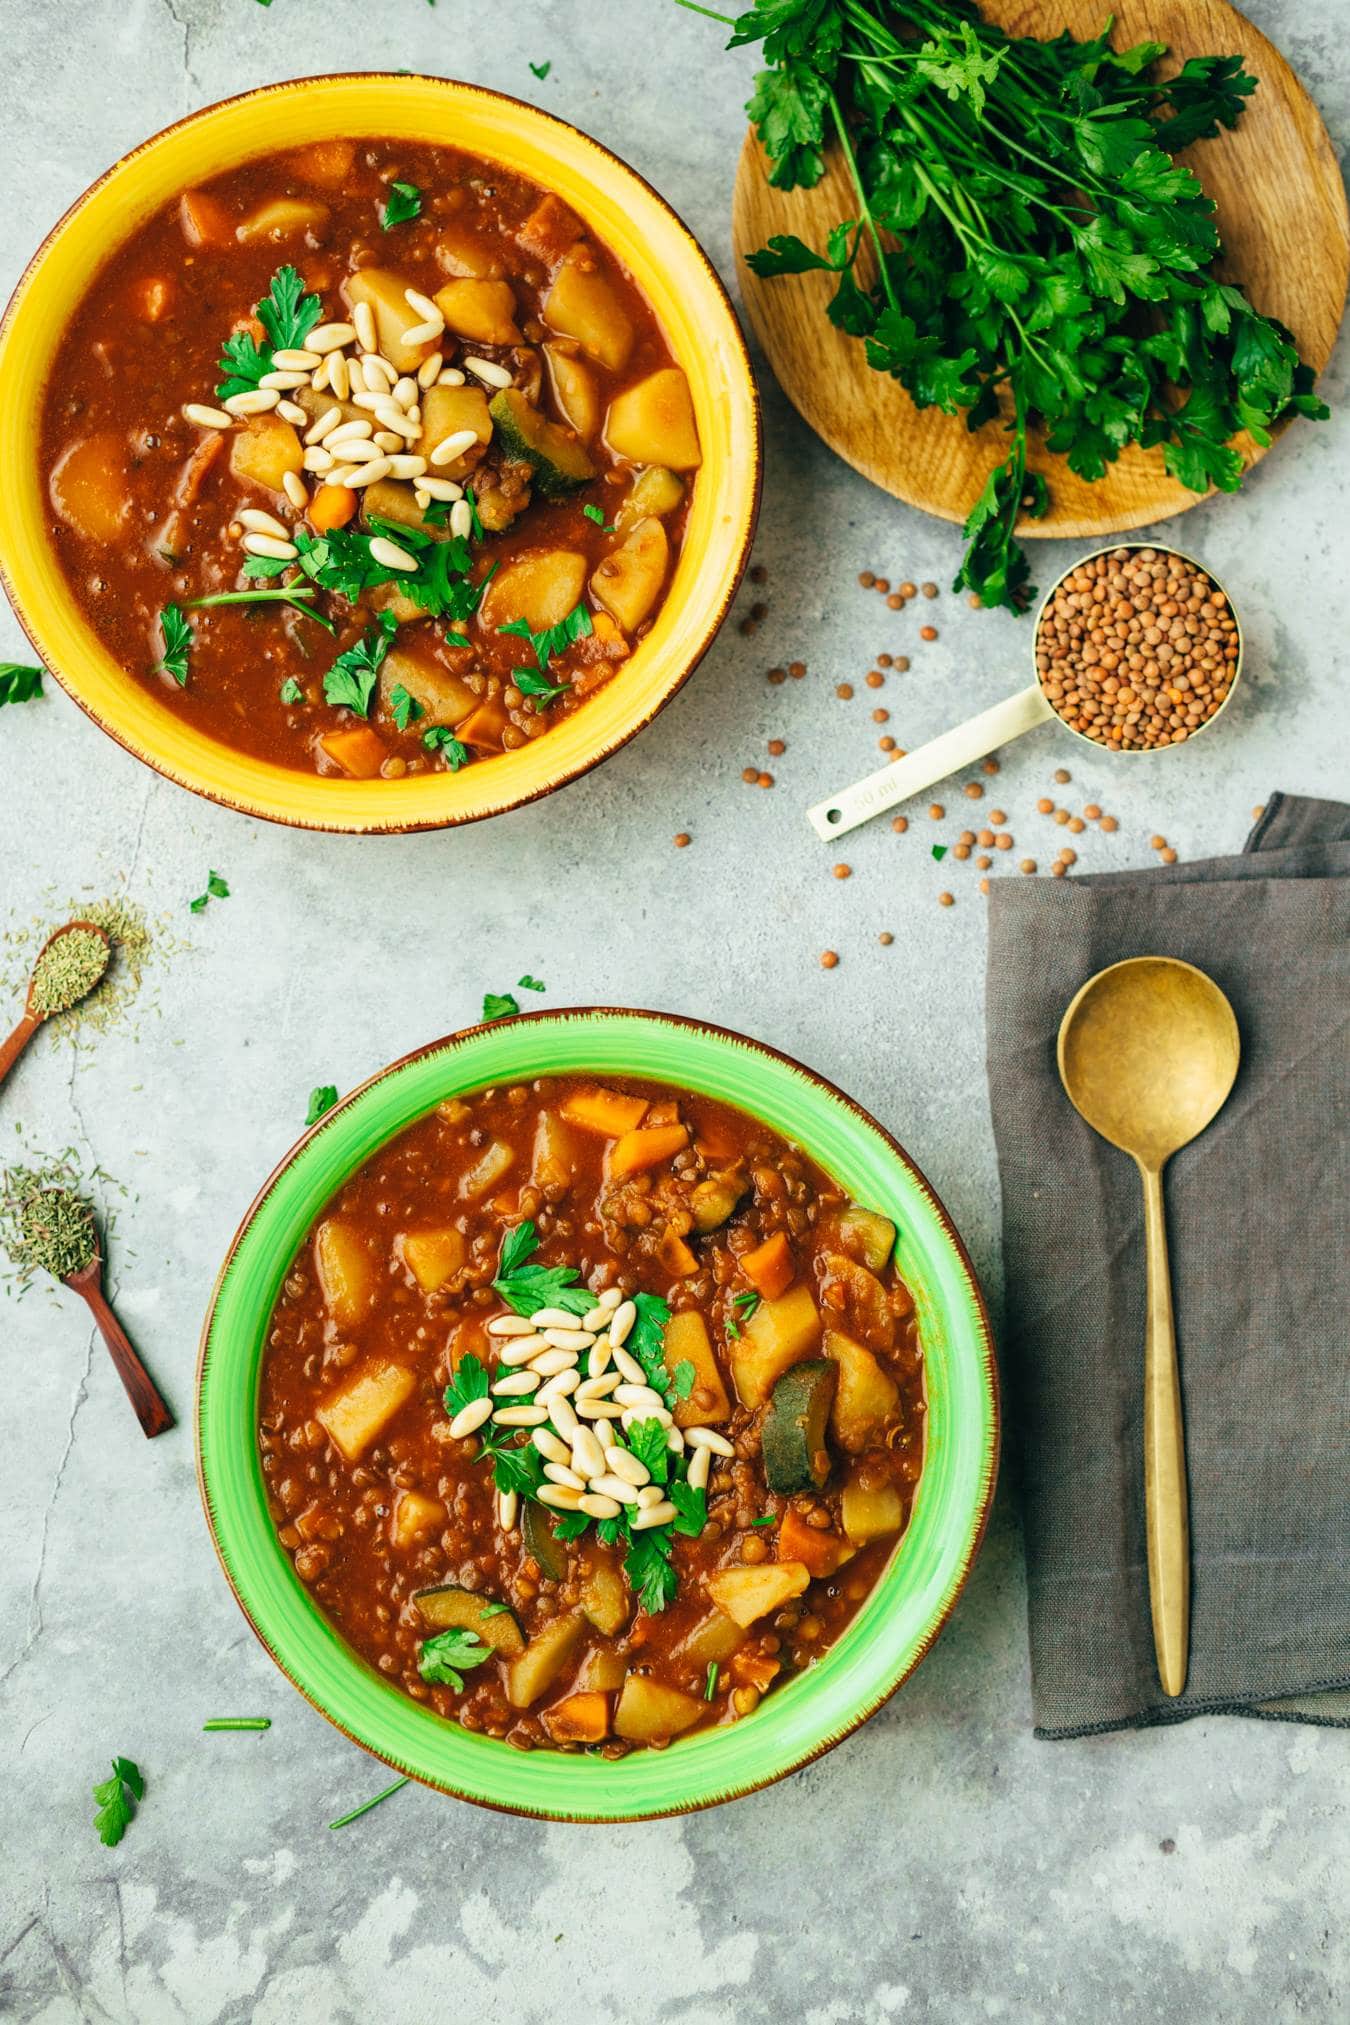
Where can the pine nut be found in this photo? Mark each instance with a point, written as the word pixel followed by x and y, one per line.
pixel 623 1463
pixel 358 450
pixel 650 1494
pixel 327 422
pixel 319 459
pixel 356 378
pixel 551 1318
pixel 447 449
pixel 370 402
pixel 611 1298
pixel 452 377
pixel 292 412
pixel 653 1515
pixel 520 1381
pixel 559 1386
pixel 423 499
pixel 339 375
pixel 507 1505
pixel 675 1441
pixel 510 1325
pixel 637 1395
pixel 470 1418
pixel 374 363
pixel 268 545
pixel 405 392
pixel 423 333
pixel 563 1418
pixel 296 489
pixel 549 1446
pixel 700 1462
pixel 596 1506
pixel 401 465
pixel 369 474
pixel 611 1486
pixel 599 1409
pixel 423 305
pixel 430 370
pixel 256 401
pixel 560 1498
pixel 356 431
pixel 553 1360
pixel 520 1349
pixel 295 360
pixel 206 417
pixel 330 337
pixel 442 488
pixel 559 1473
pixel 624 1317
pixel 258 522
pixel 596 1388
pixel 521 1416
pixel 631 1369
pixel 363 325
pixel 605 1435
pixel 399 422
pixel 391 556
pixel 597 1357
pixel 706 1437
pixel 588 1456
pixel 322 374
pixel 284 383
pixel 595 1320
pixel 461 519
pixel 484 369
pixel 341 474
pixel 571 1340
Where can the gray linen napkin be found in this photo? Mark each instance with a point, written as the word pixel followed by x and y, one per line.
pixel 1258 1230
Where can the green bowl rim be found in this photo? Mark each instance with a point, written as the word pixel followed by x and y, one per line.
pixel 975 1517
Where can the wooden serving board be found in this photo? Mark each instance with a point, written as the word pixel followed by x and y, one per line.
pixel 1282 218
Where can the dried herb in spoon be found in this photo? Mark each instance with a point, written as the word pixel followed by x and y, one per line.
pixel 45 1225
pixel 67 971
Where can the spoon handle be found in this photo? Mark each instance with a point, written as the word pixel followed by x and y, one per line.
pixel 150 1409
pixel 1165 1495
pixel 17 1042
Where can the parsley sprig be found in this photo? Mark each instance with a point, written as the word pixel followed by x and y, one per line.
pixel 19 684
pixel 117 1800
pixel 350 682
pixel 1047 256
pixel 176 634
pixel 553 640
pixel 525 1287
pixel 287 315
pixel 405 202
pixel 444 1658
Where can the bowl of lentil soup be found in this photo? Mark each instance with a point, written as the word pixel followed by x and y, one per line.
pixel 397 463
pixel 389 1325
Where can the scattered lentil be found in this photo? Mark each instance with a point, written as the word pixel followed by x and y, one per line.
pixel 844 690
pixel 907 590
pixel 900 824
pixel 1068 857
pixel 1061 815
pixel 991 766
pixel 882 584
pixel 1028 865
pixel 1045 806
pixel 973 789
pixel 1157 843
pixel 829 959
pixel 866 579
pixel 777 675
pixel 901 664
pixel 888 744
pixel 984 885
pixel 875 681
pixel 777 747
pixel 682 838
pixel 1258 812
pixel 996 817
pixel 750 774
pixel 946 900
pixel 986 837
pixel 984 862
pixel 1092 812
pixel 883 660
pixel 1109 823
pixel 843 871
pixel 796 669
pixel 896 602
pixel 928 590
pixel 1058 869
pixel 885 938
pixel 937 812
pixel 881 717
pixel 1003 842
pixel 928 632
pixel 765 780
pixel 961 850
pixel 759 573
pixel 1077 825
pixel 1169 856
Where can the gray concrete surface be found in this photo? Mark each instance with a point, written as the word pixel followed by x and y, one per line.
pixel 941 1865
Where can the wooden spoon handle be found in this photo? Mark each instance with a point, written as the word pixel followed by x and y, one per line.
pixel 961 746
pixel 151 1411
pixel 1165 1496
pixel 17 1042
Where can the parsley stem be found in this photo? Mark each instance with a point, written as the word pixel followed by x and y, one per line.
pixel 366 1805
pixel 727 20
pixel 238 1723
pixel 847 145
pixel 294 597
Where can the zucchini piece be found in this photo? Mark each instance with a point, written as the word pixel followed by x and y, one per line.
pixel 871 1511
pixel 581 1718
pixel 749 1593
pixel 795 1455
pixel 655 490
pixel 559 463
pixel 537 1534
pixel 686 1341
pixel 450 1608
pixel 779 1333
pixel 346 1271
pixel 648 1713
pixel 865 1396
pixel 543 1659
pixel 541 587
pixel 868 1237
pixel 653 422
pixel 353 1417
pixel 604 1597
pixel 628 581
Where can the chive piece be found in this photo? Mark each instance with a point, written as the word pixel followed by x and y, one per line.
pixel 711 1689
pixel 238 1723
pixel 366 1805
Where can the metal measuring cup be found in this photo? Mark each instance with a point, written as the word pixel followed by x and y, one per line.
pixel 966 743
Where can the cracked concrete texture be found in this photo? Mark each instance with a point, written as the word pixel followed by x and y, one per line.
pixel 941 1865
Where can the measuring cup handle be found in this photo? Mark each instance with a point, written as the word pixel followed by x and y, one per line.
pixel 959 747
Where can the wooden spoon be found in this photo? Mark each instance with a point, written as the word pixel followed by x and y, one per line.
pixel 141 1390
pixel 32 1019
pixel 1148 1052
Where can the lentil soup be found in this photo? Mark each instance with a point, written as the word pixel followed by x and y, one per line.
pixel 591 1414
pixel 369 457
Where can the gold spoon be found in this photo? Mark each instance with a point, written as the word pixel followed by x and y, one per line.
pixel 33 1016
pixel 1148 1052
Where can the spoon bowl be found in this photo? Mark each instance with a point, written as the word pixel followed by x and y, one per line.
pixel 1148 1052
pixel 33 1015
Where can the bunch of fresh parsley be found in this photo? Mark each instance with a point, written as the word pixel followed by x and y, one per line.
pixel 1044 255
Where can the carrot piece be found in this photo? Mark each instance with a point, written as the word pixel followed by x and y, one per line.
pixel 821 1551
pixel 581 1718
pixel 607 1112
pixel 331 506
pixel 205 220
pixel 152 298
pixel 357 749
pixel 769 1267
pixel 325 162
pixel 647 1147
pixel 754 1669
pixel 483 726
pixel 675 1256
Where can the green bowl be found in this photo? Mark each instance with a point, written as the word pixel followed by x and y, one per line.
pixel 899 1621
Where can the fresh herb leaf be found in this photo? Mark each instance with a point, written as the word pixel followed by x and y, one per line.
pixel 529 683
pixel 647 1439
pixel 515 1468
pixel 526 1287
pixel 597 514
pixel 286 313
pixel 570 1526
pixel 682 1379
pixel 939 851
pixel 650 1575
pixel 691 1508
pixel 405 202
pixel 769 1519
pixel 366 1805
pixel 441 739
pixel 528 983
pixel 243 364
pixel 117 1800
pixel 470 1382
pixel 498 1005
pixel 743 1306
pixel 19 684
pixel 238 1723
pixel 711 1688
pixel 350 682
pixel 554 639
pixel 321 1099
pixel 443 1657
pixel 646 1340
pixel 176 634
pixel 406 708
pixel 437 514
pixel 541 70
pixel 291 692
pixel 216 889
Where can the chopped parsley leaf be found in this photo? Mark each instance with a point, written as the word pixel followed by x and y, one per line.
pixel 682 1379
pixel 19 684
pixel 554 639
pixel 743 1307
pixel 406 708
pixel 650 1575
pixel 442 1657
pixel 405 202
pixel 350 682
pixel 570 1525
pixel 691 1508
pixel 287 315
pixel 176 634
pixel 216 889
pixel 646 1340
pixel 939 851
pixel 470 1382
pixel 291 692
pixel 528 983
pixel 441 739
pixel 526 1287
pixel 541 70
pixel 117 1799
pixel 498 1005
pixel 529 683
pixel 647 1439
pixel 711 1689
pixel 597 514
pixel 321 1099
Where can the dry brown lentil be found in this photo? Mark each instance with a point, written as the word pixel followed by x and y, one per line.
pixel 829 959
pixel 1062 775
pixel 946 899
pixel 885 938
pixel 929 590
pixel 888 744
pixel 777 675
pixel 883 660
pixel 937 812
pixel 796 669
pixel 1003 842
pixel 1061 815
pixel 1077 825
pixel 866 579
pixel 682 838
pixel 1092 812
pixel 875 681
pixel 777 747
pixel 1058 869
pixel 984 885
pixel 1045 806
pixel 991 766
pixel 1110 823
pixel 984 862
pixel 907 590
pixel 895 601
pixel 844 689
pixel 765 779
pixel 843 871
pixel 996 817
pixel 1028 865
pixel 900 824
pixel 901 663
pixel 1068 857
pixel 882 584
pixel 928 632
pixel 961 851
pixel 1169 856
pixel 881 717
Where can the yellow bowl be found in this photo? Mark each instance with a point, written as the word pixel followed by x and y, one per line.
pixel 669 267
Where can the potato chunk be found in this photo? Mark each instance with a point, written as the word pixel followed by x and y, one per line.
pixel 748 1593
pixel 433 1256
pixel 444 696
pixel 363 1408
pixel 543 1660
pixel 574 390
pixel 282 218
pixel 628 582
pixel 264 451
pixel 554 1158
pixel 582 305
pixel 346 1271
pixel 779 1334
pixel 686 1341
pixel 327 163
pixel 89 488
pixel 462 253
pixel 865 1395
pixel 393 314
pixel 413 1517
pixel 541 587
pixel 653 422
pixel 492 1163
pixel 648 1712
pixel 448 411
pixel 483 311
pixel 871 1511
